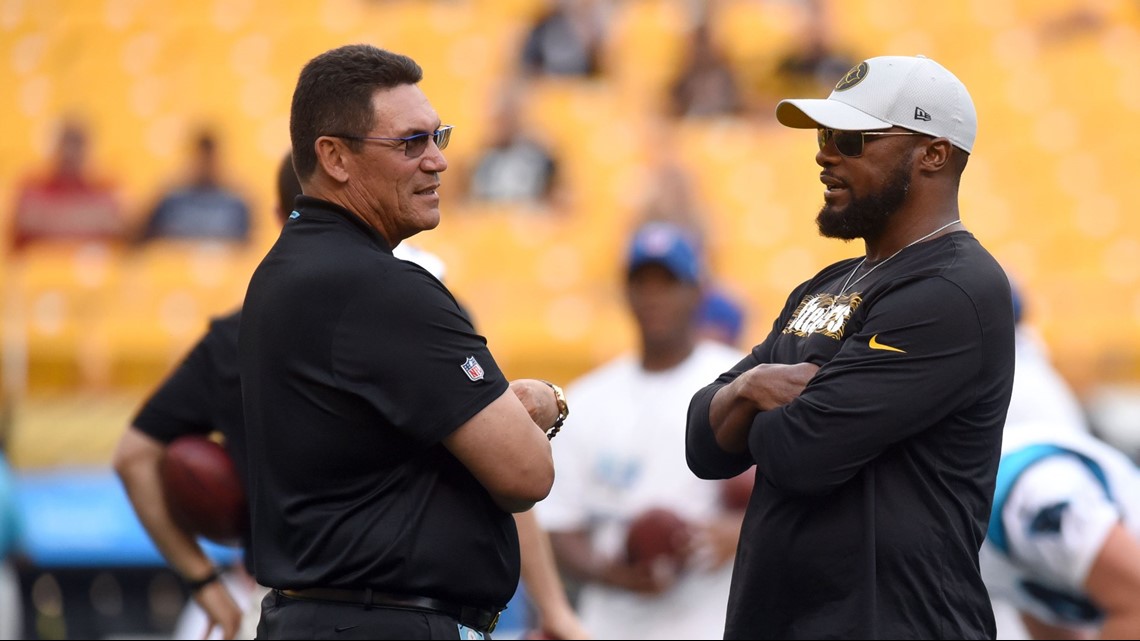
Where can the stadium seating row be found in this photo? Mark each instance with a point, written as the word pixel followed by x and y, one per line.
pixel 1046 191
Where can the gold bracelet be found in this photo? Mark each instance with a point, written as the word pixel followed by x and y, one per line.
pixel 563 409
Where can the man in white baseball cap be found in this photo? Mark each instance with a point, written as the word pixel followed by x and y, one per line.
pixel 873 410
pixel 914 93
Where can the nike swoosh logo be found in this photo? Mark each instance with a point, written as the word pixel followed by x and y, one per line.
pixel 875 344
pixel 345 628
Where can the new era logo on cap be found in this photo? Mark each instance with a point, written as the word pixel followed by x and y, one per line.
pixel 885 92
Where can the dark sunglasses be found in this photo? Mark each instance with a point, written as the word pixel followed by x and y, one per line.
pixel 415 144
pixel 850 143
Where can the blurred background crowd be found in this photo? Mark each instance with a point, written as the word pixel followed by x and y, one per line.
pixel 140 141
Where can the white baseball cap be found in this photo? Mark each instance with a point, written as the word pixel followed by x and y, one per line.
pixel 912 92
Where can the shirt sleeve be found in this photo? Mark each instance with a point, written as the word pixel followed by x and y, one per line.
pixel 406 348
pixel 1057 518
pixel 704 456
pixel 181 404
pixel 926 361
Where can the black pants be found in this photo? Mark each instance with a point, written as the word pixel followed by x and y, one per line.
pixel 285 618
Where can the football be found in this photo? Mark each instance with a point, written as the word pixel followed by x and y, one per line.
pixel 203 489
pixel 656 534
pixel 736 491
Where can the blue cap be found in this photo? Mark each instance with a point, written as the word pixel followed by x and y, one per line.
pixel 669 245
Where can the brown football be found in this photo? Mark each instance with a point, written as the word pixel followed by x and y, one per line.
pixel 203 489
pixel 657 533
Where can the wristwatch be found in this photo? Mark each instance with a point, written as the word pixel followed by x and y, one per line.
pixel 563 410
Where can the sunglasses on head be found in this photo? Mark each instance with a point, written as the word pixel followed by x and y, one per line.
pixel 415 144
pixel 850 143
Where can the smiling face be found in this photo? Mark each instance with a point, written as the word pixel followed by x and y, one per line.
pixel 396 194
pixel 864 192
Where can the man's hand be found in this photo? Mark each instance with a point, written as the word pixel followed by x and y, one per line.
pixel 771 385
pixel 762 388
pixel 654 577
pixel 538 399
pixel 220 608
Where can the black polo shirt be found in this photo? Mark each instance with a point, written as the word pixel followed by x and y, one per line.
pixel 354 366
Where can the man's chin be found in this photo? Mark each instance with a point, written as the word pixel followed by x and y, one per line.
pixel 832 225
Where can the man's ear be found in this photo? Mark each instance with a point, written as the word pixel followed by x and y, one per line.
pixel 935 155
pixel 332 156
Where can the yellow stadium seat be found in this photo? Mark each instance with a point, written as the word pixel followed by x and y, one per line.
pixel 166 298
pixel 53 298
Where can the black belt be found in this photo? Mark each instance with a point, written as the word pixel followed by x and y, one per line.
pixel 478 618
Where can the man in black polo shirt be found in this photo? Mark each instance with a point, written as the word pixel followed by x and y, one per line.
pixel 387 450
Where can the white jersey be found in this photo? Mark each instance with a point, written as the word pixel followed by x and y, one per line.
pixel 1059 493
pixel 622 452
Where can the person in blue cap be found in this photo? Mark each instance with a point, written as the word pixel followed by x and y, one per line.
pixel 622 456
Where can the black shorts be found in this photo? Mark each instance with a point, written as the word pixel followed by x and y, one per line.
pixel 286 618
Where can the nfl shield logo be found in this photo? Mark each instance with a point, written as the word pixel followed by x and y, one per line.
pixel 473 369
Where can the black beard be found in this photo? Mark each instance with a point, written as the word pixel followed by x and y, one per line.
pixel 867 216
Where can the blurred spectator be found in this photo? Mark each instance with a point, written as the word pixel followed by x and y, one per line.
pixel 67 204
pixel 203 208
pixel 1086 19
pixel 1050 574
pixel 812 66
pixel 706 85
pixel 201 396
pixel 1063 545
pixel 620 459
pixel 566 40
pixel 513 167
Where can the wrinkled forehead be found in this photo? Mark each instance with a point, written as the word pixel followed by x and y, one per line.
pixel 403 110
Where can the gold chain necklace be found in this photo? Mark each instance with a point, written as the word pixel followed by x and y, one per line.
pixel 847 283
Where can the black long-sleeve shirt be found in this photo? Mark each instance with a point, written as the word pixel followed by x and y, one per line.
pixel 874 486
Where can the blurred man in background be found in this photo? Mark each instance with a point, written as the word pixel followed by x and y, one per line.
pixel 1063 545
pixel 513 166
pixel 203 208
pixel 622 456
pixel 202 396
pixel 68 204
